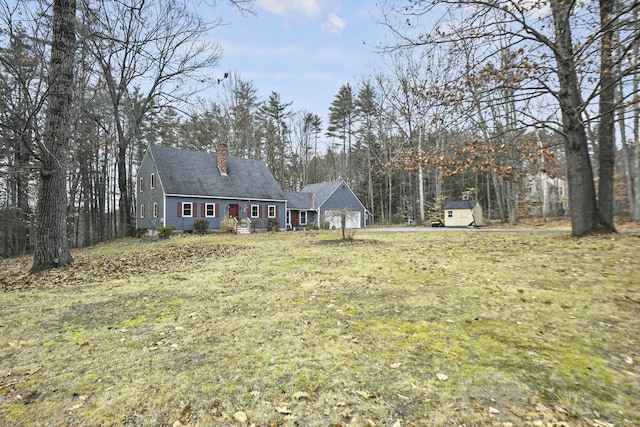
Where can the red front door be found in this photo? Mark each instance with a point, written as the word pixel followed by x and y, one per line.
pixel 233 211
pixel 294 218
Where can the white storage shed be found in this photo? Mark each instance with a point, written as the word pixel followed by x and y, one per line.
pixel 463 213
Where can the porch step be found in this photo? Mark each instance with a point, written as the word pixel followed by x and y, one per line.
pixel 243 230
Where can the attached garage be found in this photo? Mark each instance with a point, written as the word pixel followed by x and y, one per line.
pixel 322 203
pixel 353 219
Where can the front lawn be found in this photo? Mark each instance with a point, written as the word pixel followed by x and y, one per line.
pixel 302 329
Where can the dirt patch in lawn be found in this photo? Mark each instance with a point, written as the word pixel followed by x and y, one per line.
pixel 347 242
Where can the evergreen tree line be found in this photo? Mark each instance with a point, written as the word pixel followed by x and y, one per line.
pixel 450 114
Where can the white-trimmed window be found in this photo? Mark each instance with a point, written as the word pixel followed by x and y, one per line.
pixel 210 210
pixel 303 217
pixel 187 210
pixel 142 210
pixel 449 214
pixel 155 210
pixel 272 211
pixel 141 184
pixel 152 181
pixel 255 211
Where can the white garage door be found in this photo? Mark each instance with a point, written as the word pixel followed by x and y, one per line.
pixel 352 220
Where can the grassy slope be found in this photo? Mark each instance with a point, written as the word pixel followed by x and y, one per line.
pixel 430 329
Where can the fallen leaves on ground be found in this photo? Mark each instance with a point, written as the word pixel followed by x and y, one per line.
pixel 88 268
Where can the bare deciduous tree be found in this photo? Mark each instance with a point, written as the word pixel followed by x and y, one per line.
pixel 342 215
pixel 561 57
pixel 149 54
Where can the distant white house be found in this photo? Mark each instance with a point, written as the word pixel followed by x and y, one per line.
pixel 463 213
pixel 546 195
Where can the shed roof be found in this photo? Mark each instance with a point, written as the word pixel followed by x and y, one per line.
pixel 186 172
pixel 461 204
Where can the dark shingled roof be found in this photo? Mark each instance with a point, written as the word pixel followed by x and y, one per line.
pixel 298 200
pixel 322 190
pixel 194 173
pixel 461 204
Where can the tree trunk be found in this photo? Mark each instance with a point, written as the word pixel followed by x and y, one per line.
pixel 52 246
pixel 389 196
pixel 23 212
pixel 635 151
pixel 627 151
pixel 87 193
pixel 370 182
pixel 125 196
pixel 627 166
pixel 606 133
pixel 582 196
pixel 511 196
pixel 497 189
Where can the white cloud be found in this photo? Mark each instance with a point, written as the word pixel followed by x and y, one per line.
pixel 334 24
pixel 309 8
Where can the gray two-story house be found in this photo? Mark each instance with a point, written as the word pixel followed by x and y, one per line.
pixel 177 187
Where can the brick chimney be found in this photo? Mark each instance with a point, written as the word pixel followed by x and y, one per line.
pixel 223 152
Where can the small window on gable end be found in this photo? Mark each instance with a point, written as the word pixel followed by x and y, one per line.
pixel 187 210
pixel 255 211
pixel 152 181
pixel 141 184
pixel 155 210
pixel 142 210
pixel 272 211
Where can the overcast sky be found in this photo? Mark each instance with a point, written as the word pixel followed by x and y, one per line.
pixel 302 49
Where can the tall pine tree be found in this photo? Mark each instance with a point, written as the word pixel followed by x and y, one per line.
pixel 342 113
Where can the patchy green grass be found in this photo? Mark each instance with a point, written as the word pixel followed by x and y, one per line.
pixel 297 329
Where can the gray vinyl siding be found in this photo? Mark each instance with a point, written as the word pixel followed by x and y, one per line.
pixel 342 198
pixel 149 196
pixel 222 211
